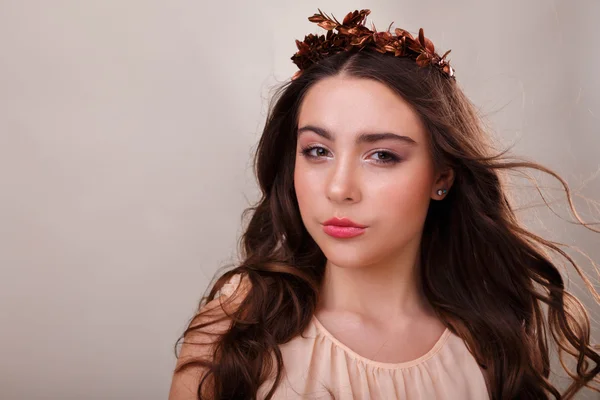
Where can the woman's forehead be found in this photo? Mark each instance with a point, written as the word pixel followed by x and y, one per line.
pixel 351 106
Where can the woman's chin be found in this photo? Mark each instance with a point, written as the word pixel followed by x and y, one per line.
pixel 346 258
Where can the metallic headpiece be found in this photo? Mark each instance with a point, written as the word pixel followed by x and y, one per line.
pixel 352 34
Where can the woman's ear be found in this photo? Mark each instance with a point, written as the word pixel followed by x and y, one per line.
pixel 443 183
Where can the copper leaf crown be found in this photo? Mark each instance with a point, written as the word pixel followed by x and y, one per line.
pixel 352 34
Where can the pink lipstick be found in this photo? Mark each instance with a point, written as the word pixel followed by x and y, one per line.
pixel 343 228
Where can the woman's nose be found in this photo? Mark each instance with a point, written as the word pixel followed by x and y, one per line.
pixel 343 182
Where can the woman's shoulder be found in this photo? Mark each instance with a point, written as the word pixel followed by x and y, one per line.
pixel 237 282
pixel 224 303
pixel 212 320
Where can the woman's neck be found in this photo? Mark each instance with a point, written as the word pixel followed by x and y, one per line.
pixel 382 291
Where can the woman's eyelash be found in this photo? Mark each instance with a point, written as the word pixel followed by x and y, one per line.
pixel 392 158
pixel 306 151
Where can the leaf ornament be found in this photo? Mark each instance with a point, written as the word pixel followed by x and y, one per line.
pixel 353 34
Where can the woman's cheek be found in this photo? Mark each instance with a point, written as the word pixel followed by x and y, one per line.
pixel 406 199
pixel 305 192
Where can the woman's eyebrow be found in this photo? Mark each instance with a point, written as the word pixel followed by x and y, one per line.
pixel 362 138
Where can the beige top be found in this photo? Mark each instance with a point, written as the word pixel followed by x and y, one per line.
pixel 318 362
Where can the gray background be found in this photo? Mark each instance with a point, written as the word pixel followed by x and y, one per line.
pixel 126 130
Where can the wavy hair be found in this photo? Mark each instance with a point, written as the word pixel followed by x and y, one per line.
pixel 488 278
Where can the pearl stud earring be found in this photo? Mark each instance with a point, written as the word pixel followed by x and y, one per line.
pixel 441 192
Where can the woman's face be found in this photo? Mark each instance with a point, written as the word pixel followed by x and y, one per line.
pixel 362 154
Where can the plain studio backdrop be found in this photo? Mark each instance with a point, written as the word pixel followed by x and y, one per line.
pixel 126 134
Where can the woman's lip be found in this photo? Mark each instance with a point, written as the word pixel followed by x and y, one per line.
pixel 343 231
pixel 343 222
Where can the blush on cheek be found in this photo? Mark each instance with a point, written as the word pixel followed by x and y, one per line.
pixel 405 204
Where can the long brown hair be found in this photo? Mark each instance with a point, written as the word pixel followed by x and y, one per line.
pixel 487 277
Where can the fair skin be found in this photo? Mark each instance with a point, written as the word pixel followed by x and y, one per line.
pixel 371 294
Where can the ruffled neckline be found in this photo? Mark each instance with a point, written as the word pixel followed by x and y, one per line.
pixel 439 344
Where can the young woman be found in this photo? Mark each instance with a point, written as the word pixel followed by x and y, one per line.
pixel 384 259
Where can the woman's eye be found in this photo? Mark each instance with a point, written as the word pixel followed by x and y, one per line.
pixel 319 151
pixel 315 152
pixel 385 157
pixel 381 157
